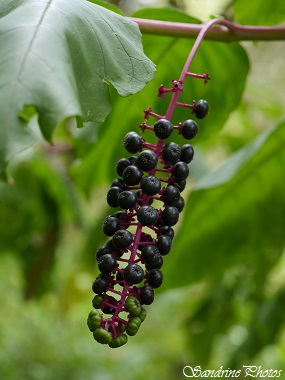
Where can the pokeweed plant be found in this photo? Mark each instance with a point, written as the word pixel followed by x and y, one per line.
pixel 148 193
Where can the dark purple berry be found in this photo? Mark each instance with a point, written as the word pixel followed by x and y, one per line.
pixel 201 109
pixel 189 129
pixel 147 215
pixel 132 175
pixel 150 185
pixel 147 160
pixel 108 309
pixel 163 244
pixel 171 153
pixel 133 274
pixel 180 171
pixel 107 263
pixel 112 196
pixel 141 196
pixel 163 128
pixel 111 225
pixel 133 160
pixel 146 295
pixel 166 230
pixel 180 184
pixel 127 199
pixel 120 215
pixel 180 204
pixel 187 153
pixel 170 215
pixel 118 183
pixel 155 278
pixel 103 251
pixel 122 164
pixel 100 284
pixel 158 265
pixel 132 142
pixel 150 254
pixel 170 195
pixel 120 278
pixel 122 239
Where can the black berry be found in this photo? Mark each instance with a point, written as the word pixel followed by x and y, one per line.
pixel 110 225
pixel 166 230
pixel 155 278
pixel 150 254
pixel 133 274
pixel 171 153
pixel 201 109
pixel 122 239
pixel 170 215
pixel 147 160
pixel 187 153
pixel 118 183
pixel 163 128
pixel 122 164
pixel 147 215
pixel 146 295
pixel 133 142
pixel 180 204
pixel 132 175
pixel 127 199
pixel 170 195
pixel 100 284
pixel 189 129
pixel 163 244
pixel 180 184
pixel 150 185
pixel 112 196
pixel 107 263
pixel 102 251
pixel 180 171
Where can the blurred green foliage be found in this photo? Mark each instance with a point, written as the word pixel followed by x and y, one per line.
pixel 222 299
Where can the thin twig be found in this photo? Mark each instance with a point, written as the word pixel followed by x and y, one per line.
pixel 226 32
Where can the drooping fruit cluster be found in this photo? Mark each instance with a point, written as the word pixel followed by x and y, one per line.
pixel 147 200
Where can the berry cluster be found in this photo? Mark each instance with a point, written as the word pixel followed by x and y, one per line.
pixel 148 194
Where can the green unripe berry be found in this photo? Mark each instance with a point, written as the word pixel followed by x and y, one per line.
pixel 133 306
pixel 97 301
pixel 133 326
pixel 102 336
pixel 142 314
pixel 93 320
pixel 118 341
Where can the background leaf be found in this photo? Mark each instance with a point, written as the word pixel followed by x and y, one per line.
pixel 73 50
pixel 259 12
pixel 226 63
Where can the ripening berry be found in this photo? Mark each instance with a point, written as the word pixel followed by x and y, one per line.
pixel 132 175
pixel 163 128
pixel 133 306
pixel 171 153
pixel 189 129
pixel 122 164
pixel 147 160
pixel 150 185
pixel 187 153
pixel 133 326
pixel 133 273
pixel 201 109
pixel 102 336
pixel 147 215
pixel 119 341
pixel 132 142
pixel 93 320
pixel 122 239
pixel 97 301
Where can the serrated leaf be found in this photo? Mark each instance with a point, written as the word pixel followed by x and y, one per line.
pixel 234 215
pixel 59 56
pixel 226 63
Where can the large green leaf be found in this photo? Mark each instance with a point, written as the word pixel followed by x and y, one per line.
pixel 259 12
pixel 59 56
pixel 235 214
pixel 228 67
